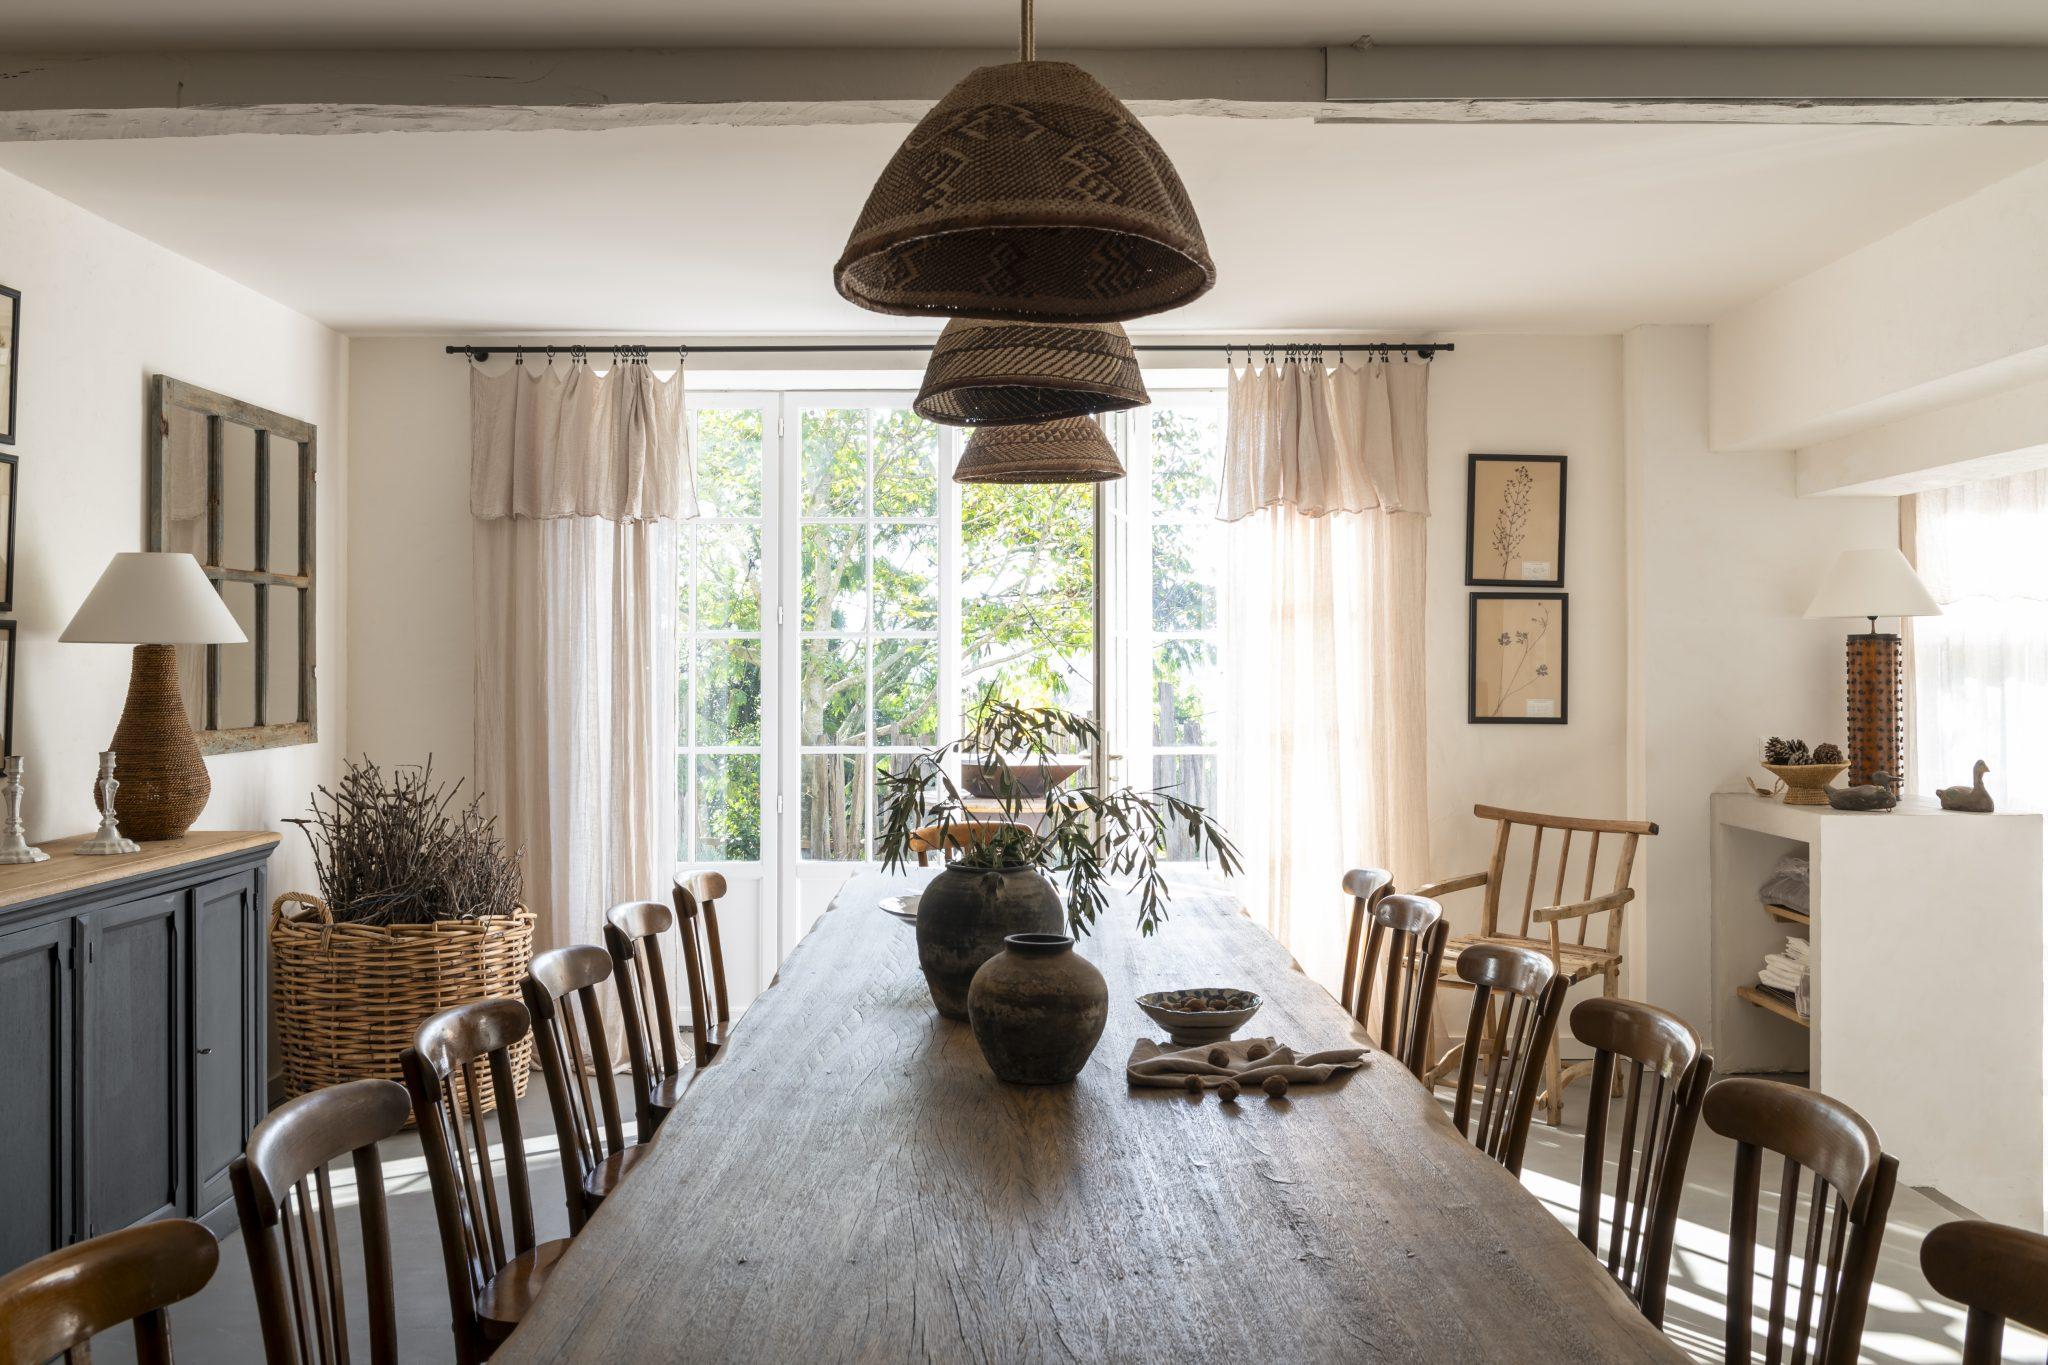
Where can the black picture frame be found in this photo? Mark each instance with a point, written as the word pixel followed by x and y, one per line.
pixel 13 338
pixel 7 689
pixel 1472 466
pixel 10 488
pixel 1564 658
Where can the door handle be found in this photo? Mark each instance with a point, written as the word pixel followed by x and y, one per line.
pixel 206 1052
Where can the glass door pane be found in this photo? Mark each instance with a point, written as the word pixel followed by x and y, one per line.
pixel 1027 594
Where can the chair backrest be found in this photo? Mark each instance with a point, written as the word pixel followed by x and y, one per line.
pixel 632 931
pixel 951 839
pixel 1657 1126
pixel 1554 879
pixel 1997 1272
pixel 697 897
pixel 58 1303
pixel 1853 1181
pixel 1365 886
pixel 295 1271
pixel 1409 934
pixel 1523 988
pixel 441 1070
pixel 560 986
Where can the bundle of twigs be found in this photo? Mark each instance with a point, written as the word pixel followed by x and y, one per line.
pixel 401 851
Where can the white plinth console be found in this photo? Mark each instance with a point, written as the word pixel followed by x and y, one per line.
pixel 1928 1008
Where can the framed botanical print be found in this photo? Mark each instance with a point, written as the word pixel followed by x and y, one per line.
pixel 1520 659
pixel 1514 521
pixel 10 472
pixel 10 360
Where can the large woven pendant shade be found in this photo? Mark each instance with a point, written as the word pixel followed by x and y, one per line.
pixel 1028 193
pixel 1072 450
pixel 1003 373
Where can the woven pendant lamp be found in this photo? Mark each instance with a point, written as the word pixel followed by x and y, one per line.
pixel 1028 193
pixel 1072 450
pixel 1004 373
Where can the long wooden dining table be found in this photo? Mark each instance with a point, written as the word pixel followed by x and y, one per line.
pixel 848 1182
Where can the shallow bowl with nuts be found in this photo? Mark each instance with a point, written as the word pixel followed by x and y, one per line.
pixel 1202 1014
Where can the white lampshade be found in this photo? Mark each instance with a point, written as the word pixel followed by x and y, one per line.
pixel 1875 582
pixel 153 599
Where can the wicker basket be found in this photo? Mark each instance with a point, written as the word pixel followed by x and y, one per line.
pixel 348 997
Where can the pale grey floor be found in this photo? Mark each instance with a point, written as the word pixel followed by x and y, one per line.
pixel 1908 1321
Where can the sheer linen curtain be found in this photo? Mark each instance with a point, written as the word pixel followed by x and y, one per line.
pixel 578 483
pixel 1325 495
pixel 1980 669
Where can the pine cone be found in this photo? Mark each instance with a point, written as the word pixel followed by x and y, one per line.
pixel 1777 750
pixel 1827 753
pixel 1799 756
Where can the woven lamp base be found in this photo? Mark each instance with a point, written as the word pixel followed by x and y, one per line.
pixel 164 783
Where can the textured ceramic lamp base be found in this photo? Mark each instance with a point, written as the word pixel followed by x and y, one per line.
pixel 1877 735
pixel 164 783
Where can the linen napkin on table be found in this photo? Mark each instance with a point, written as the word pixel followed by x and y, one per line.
pixel 1154 1064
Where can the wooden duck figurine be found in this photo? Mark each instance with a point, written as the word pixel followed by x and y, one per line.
pixel 1876 795
pixel 1972 798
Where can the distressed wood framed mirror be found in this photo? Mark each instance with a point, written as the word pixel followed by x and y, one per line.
pixel 234 485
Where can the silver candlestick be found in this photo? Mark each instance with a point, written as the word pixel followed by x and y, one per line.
pixel 14 847
pixel 109 839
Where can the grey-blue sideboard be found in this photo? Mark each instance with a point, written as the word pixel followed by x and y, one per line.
pixel 132 1031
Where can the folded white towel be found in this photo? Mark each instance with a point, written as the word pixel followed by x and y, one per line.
pixel 1778 962
pixel 1798 948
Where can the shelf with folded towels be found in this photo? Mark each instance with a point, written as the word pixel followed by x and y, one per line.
pixel 1765 1000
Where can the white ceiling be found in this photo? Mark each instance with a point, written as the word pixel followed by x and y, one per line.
pixel 101 24
pixel 708 229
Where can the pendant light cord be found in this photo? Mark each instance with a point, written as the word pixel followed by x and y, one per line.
pixel 1027 43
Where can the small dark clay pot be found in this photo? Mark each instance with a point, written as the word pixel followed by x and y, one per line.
pixel 964 916
pixel 1038 1008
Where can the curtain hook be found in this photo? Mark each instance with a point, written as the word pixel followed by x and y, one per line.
pixel 519 355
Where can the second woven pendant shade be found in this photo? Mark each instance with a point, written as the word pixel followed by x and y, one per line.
pixel 1070 451
pixel 1005 373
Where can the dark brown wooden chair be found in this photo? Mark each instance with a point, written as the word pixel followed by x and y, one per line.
pixel 632 932
pixel 697 898
pixel 1410 932
pixel 560 986
pixel 1521 992
pixel 1852 1191
pixel 299 1289
pixel 1631 1042
pixel 56 1304
pixel 1997 1273
pixel 952 839
pixel 492 1281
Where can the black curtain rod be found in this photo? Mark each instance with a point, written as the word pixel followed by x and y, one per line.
pixel 1425 349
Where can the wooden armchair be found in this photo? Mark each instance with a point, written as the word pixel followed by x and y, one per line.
pixel 1544 927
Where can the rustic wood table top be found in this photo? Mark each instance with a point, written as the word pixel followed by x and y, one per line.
pixel 848 1182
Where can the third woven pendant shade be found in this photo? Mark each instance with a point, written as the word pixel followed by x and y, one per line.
pixel 1004 373
pixel 1070 451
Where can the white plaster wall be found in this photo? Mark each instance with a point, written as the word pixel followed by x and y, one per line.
pixel 103 310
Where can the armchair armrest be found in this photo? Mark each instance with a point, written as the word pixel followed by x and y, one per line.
pixel 1613 900
pixel 1470 881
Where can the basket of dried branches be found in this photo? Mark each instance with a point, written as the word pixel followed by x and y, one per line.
pixel 418 911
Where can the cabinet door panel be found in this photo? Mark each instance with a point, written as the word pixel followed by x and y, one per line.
pixel 132 1081
pixel 35 1091
pixel 224 1052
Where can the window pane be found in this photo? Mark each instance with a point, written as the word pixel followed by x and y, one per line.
pixel 1191 777
pixel 835 578
pixel 728 692
pixel 728 814
pixel 835 462
pixel 906 464
pixel 727 444
pixel 835 692
pixel 1027 588
pixel 1184 571
pixel 1186 690
pixel 834 807
pixel 728 577
pixel 1187 451
pixel 906 577
pixel 906 692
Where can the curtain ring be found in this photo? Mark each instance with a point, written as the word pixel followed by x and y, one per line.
pixel 519 355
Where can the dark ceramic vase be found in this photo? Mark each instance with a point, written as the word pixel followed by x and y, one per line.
pixel 1038 1008
pixel 965 914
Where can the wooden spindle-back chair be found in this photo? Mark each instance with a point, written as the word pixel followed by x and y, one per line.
pixel 1545 912
pixel 1635 1043
pixel 952 839
pixel 632 931
pixel 1997 1272
pixel 560 991
pixel 1410 932
pixel 283 1194
pixel 1853 1181
pixel 1516 998
pixel 493 1280
pixel 697 898
pixel 56 1304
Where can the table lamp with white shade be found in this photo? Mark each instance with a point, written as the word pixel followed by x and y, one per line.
pixel 156 602
pixel 1873 583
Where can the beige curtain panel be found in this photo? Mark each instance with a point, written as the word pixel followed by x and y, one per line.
pixel 568 441
pixel 1324 484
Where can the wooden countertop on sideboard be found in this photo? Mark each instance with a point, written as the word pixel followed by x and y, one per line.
pixel 65 871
